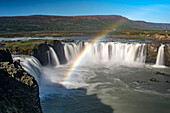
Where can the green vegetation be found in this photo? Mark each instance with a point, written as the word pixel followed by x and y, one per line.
pixel 41 25
pixel 24 47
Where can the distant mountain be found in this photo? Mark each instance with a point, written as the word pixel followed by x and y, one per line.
pixel 44 23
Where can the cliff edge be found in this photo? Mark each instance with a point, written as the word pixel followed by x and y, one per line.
pixel 19 91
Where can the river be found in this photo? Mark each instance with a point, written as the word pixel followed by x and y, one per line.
pixel 113 83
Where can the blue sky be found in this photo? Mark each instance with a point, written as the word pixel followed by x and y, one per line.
pixel 146 10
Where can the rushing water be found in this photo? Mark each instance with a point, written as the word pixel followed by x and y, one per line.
pixel 160 56
pixel 52 57
pixel 112 78
pixel 125 89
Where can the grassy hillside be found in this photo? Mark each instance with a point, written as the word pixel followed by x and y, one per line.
pixel 42 23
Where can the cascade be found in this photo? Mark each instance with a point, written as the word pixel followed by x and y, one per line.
pixel 52 57
pixel 30 65
pixel 108 52
pixel 71 50
pixel 49 58
pixel 160 56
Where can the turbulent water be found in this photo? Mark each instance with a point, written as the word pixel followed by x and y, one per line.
pixel 112 78
pixel 105 89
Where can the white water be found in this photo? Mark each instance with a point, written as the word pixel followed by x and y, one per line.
pixel 111 52
pixel 114 85
pixel 53 59
pixel 160 56
pixel 30 65
pixel 71 50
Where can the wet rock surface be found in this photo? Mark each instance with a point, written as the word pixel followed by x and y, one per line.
pixel 154 80
pixel 59 49
pixel 152 51
pixel 159 73
pixel 41 53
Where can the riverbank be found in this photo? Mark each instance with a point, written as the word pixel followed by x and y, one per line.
pixel 139 34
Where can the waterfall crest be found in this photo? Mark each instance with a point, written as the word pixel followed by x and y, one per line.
pixel 160 56
pixel 30 65
pixel 108 52
pixel 71 50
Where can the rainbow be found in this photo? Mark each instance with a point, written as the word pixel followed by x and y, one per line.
pixel 83 53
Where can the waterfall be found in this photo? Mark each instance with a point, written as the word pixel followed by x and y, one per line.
pixel 30 65
pixel 52 57
pixel 49 58
pixel 71 50
pixel 160 56
pixel 108 52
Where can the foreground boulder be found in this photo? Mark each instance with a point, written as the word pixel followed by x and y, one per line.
pixel 19 91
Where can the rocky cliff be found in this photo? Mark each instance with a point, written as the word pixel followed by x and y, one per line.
pixel 42 51
pixel 152 50
pixel 19 91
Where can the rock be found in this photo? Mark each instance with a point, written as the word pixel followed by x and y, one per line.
pixel 162 73
pixel 19 91
pixel 5 56
pixel 67 40
pixel 59 49
pixel 41 53
pixel 140 82
pixel 152 50
pixel 167 54
pixel 18 97
pixel 154 80
pixel 167 81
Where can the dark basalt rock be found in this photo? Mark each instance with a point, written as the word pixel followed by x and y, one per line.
pixel 162 74
pixel 41 53
pixel 18 97
pixel 19 91
pixel 167 81
pixel 5 56
pixel 59 49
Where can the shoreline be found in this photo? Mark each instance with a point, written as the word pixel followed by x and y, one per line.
pixel 155 40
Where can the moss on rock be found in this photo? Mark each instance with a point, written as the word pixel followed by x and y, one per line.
pixel 19 91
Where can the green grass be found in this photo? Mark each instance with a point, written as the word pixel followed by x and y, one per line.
pixel 24 47
pixel 32 24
